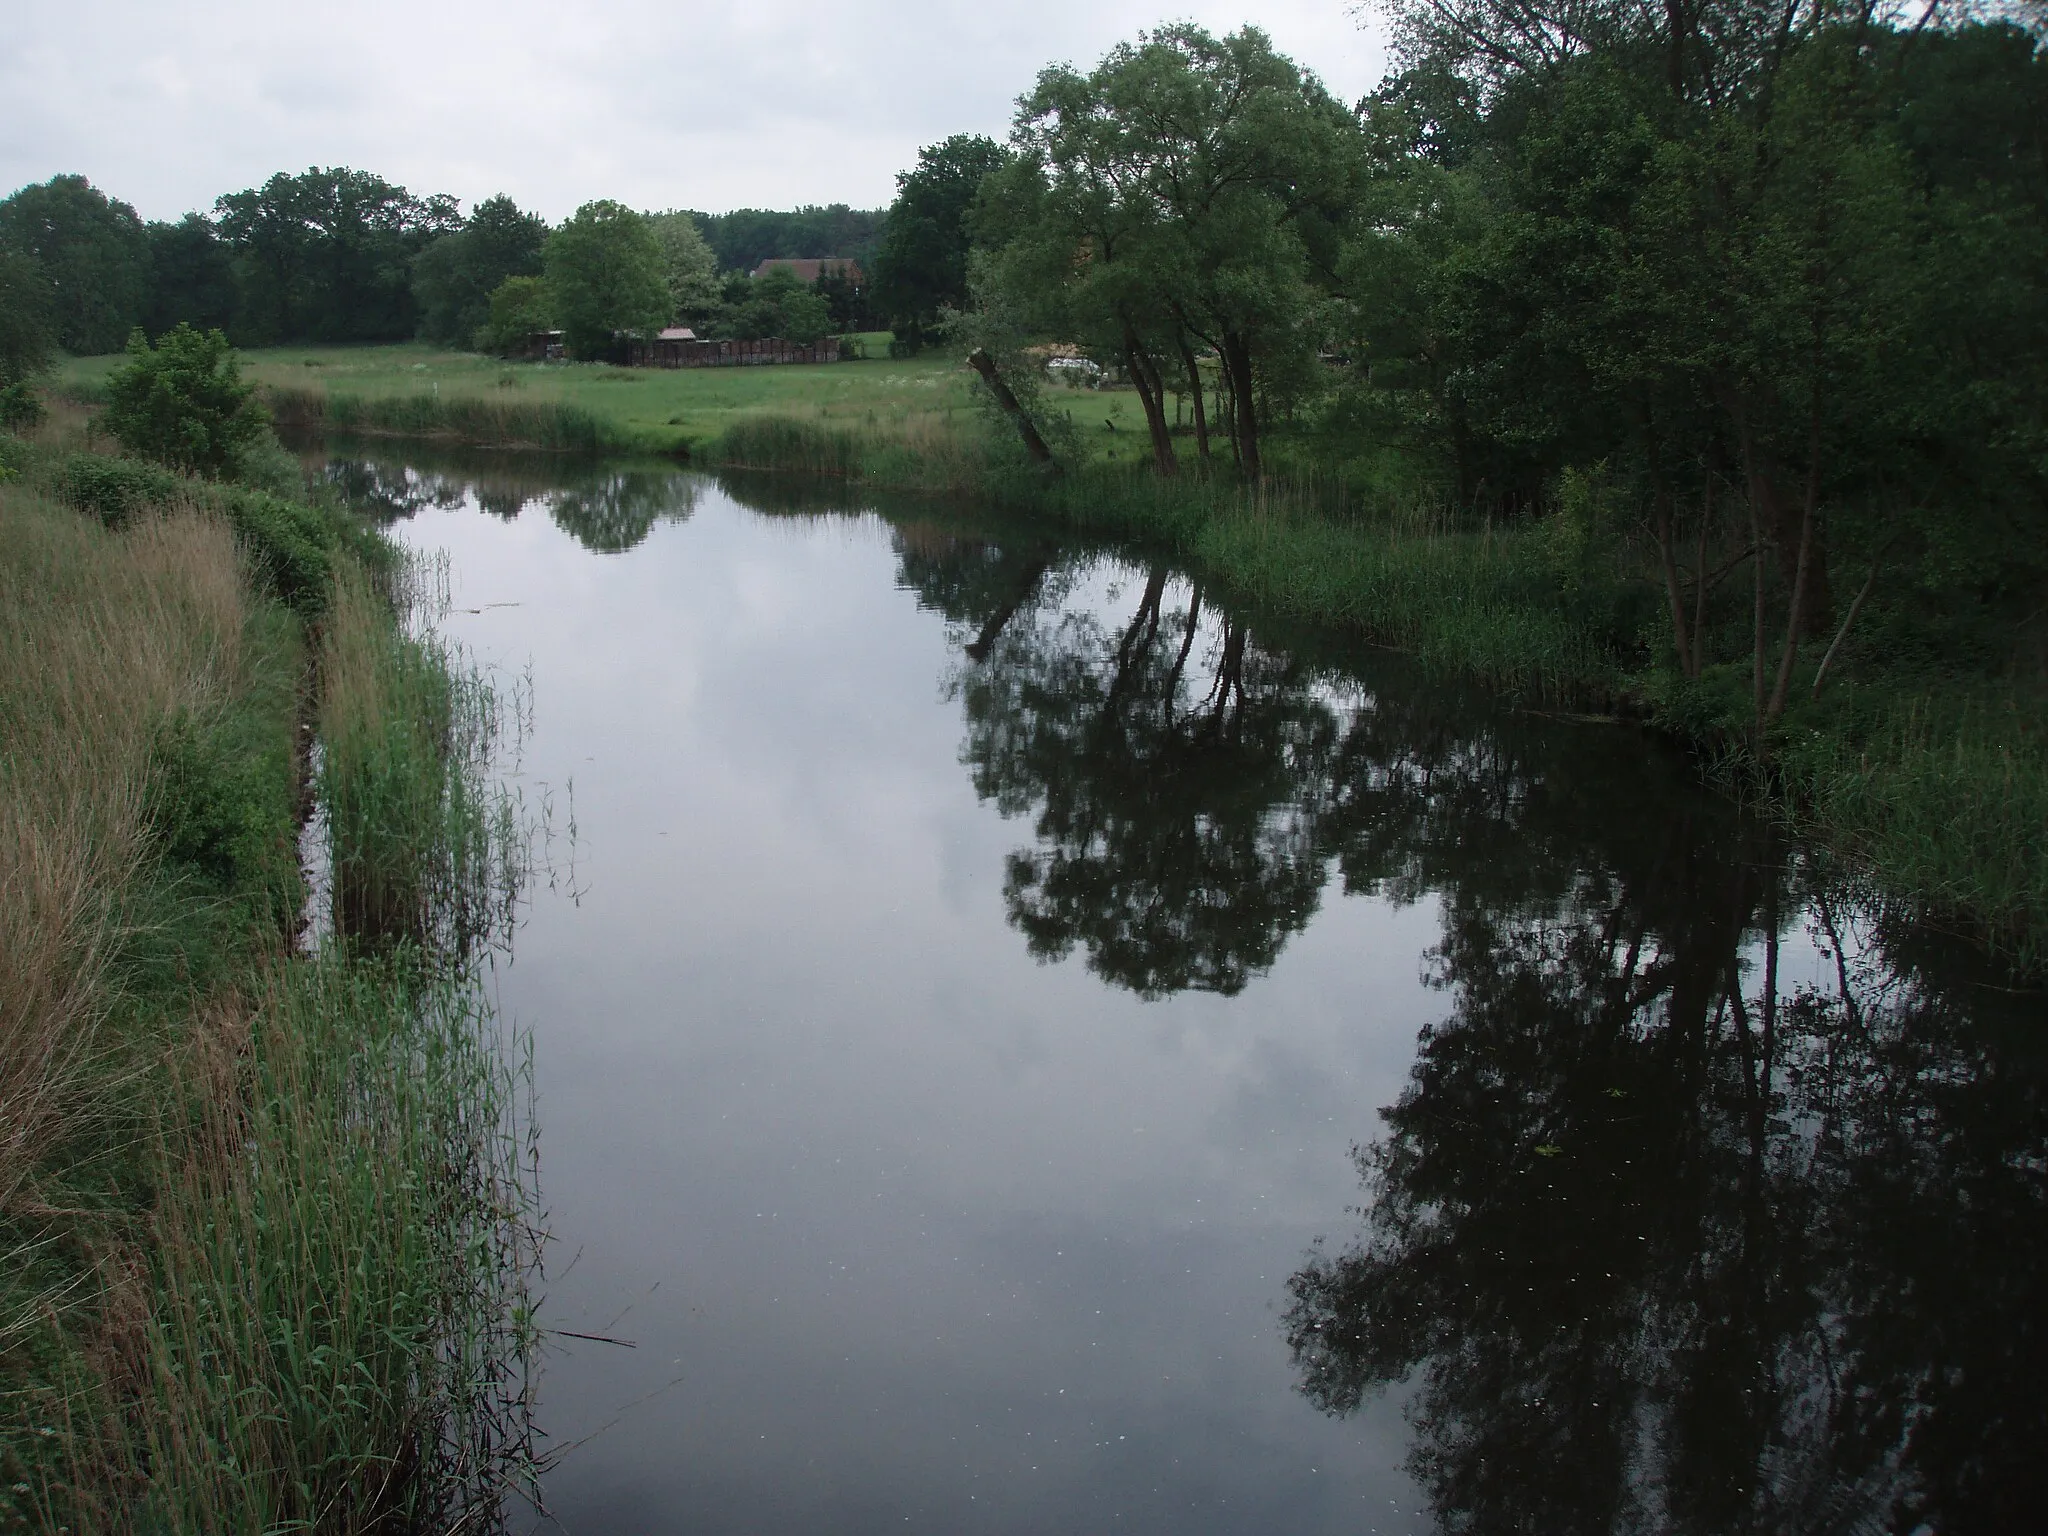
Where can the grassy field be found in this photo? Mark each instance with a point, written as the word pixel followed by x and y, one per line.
pixel 658 410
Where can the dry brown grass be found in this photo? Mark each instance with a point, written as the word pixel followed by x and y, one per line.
pixel 103 637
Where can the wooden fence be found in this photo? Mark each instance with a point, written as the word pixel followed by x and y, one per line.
pixel 729 354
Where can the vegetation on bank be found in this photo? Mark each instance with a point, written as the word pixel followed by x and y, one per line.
pixel 262 1206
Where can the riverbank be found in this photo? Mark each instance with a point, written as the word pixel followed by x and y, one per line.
pixel 262 1216
pixel 1928 774
pixel 1924 759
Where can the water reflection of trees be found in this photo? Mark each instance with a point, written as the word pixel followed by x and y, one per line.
pixel 1669 1240
pixel 1707 1207
pixel 1177 771
pixel 607 509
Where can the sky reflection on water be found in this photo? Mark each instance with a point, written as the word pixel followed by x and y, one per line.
pixel 990 955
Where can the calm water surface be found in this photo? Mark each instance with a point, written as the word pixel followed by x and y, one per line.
pixel 1033 1049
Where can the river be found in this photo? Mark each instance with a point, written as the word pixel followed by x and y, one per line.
pixel 1022 1045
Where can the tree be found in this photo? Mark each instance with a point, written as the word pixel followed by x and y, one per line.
pixel 605 274
pixel 192 277
pixel 454 276
pixel 518 311
pixel 327 255
pixel 688 266
pixel 777 303
pixel 746 237
pixel 28 330
pixel 921 266
pixel 183 403
pixel 94 256
pixel 1186 193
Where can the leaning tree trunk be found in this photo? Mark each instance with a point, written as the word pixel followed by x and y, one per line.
pixel 1034 445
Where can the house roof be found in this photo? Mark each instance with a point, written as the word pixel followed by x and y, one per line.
pixel 809 269
pixel 677 333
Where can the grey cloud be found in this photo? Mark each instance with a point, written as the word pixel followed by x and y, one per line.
pixel 659 104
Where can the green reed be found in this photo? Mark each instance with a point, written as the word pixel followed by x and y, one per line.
pixel 482 421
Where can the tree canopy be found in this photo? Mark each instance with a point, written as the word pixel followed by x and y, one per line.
pixel 454 276
pixel 93 254
pixel 327 255
pixel 605 274
pixel 921 265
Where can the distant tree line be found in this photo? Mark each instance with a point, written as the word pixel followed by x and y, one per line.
pixel 340 255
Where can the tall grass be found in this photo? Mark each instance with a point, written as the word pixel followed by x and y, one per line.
pixel 555 425
pixel 265 1219
pixel 103 639
pixel 912 450
pixel 419 847
pixel 336 1346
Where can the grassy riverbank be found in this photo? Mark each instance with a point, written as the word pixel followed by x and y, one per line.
pixel 261 1214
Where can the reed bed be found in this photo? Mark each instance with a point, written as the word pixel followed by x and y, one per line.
pixel 554 425
pixel 265 1218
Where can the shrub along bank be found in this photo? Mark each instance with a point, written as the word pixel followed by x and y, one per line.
pixel 262 1221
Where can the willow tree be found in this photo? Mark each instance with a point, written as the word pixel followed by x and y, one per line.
pixel 1185 194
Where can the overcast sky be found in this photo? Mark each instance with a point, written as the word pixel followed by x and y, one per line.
pixel 659 103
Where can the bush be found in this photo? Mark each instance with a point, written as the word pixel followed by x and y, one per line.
pixel 291 545
pixel 183 403
pixel 20 407
pixel 114 490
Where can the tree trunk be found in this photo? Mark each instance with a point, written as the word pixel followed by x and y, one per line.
pixel 1672 590
pixel 1237 358
pixel 997 622
pixel 1855 607
pixel 1226 411
pixel 1187 357
pixel 1699 578
pixel 1756 569
pixel 1034 445
pixel 1146 377
pixel 1809 510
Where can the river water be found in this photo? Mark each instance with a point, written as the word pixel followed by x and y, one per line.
pixel 1024 1046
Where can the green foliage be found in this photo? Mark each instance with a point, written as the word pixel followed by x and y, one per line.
pixel 776 304
pixel 921 266
pixel 327 255
pixel 519 310
pixel 183 403
pixel 192 277
pixel 28 332
pixel 93 254
pixel 454 276
pixel 605 274
pixel 688 266
pixel 20 407
pixel 291 545
pixel 746 237
pixel 114 490
pixel 1181 196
